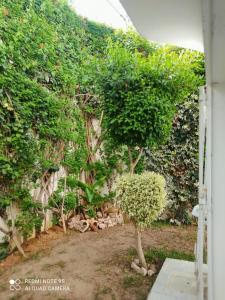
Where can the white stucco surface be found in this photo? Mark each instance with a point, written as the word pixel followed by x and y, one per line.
pixel 176 281
pixel 177 22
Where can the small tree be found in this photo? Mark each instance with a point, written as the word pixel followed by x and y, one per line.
pixel 140 94
pixel 142 198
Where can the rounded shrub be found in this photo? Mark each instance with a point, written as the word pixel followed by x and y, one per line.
pixel 142 197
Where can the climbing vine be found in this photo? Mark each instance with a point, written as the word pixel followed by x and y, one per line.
pixel 177 160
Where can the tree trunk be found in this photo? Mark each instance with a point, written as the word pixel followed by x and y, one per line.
pixel 62 207
pixel 132 169
pixel 139 249
pixel 133 163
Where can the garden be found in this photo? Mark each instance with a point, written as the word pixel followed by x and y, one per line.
pixel 98 154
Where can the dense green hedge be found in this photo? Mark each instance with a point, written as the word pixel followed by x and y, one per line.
pixel 178 162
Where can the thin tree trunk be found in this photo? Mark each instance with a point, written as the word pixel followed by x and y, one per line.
pixel 62 207
pixel 139 248
pixel 133 163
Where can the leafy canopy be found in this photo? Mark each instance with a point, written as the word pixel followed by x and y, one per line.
pixel 142 197
pixel 140 93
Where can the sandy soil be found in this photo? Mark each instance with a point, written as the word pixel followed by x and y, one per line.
pixel 93 266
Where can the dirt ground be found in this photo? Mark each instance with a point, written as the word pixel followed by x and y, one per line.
pixel 88 266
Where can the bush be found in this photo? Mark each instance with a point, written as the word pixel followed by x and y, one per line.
pixel 141 197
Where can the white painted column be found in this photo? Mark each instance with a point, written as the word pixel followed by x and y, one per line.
pixel 216 238
pixel 214 40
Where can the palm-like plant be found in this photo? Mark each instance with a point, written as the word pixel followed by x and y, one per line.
pixel 92 196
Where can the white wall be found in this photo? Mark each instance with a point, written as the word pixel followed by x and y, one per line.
pixel 176 22
pixel 39 194
pixel 217 213
pixel 214 39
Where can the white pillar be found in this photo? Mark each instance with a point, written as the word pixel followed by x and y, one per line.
pixel 216 227
pixel 214 39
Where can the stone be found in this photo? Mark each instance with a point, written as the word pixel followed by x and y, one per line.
pixel 135 267
pixel 144 272
pixel 102 226
pixel 114 221
pixel 120 219
pixel 99 214
pixel 110 223
pixel 139 270
pixel 153 268
pixel 112 214
pixel 150 272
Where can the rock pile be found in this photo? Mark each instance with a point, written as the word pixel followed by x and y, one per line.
pixel 94 224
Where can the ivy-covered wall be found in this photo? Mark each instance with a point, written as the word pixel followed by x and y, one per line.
pixel 178 162
pixel 43 46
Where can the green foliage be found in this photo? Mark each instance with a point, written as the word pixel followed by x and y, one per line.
pixel 56 220
pixel 131 281
pixel 4 250
pixel 140 94
pixel 49 56
pixel 44 50
pixel 134 42
pixel 97 37
pixel 41 49
pixel 30 216
pixel 91 195
pixel 69 195
pixel 142 91
pixel 27 221
pixel 44 53
pixel 141 197
pixel 38 115
pixel 100 170
pixel 154 255
pixel 178 162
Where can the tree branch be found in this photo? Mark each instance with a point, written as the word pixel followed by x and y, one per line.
pixel 131 159
pixel 133 164
pixel 138 158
